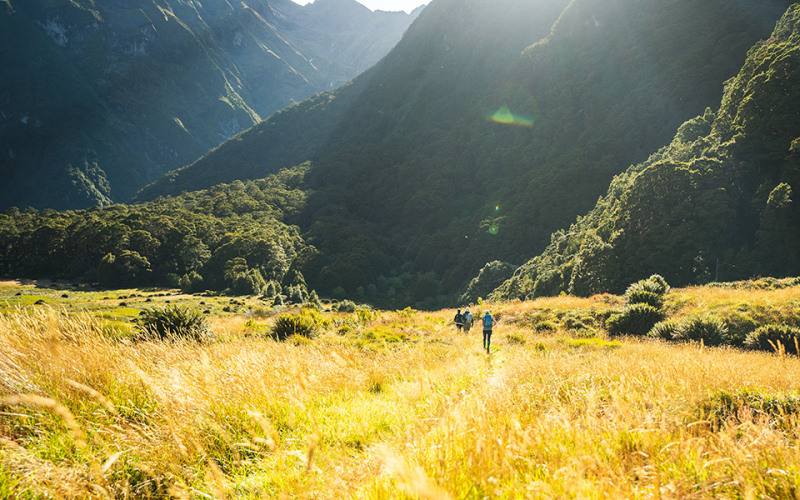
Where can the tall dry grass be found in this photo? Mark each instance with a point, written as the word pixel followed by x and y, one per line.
pixel 357 413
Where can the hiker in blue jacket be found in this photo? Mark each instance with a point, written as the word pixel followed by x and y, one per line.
pixel 488 322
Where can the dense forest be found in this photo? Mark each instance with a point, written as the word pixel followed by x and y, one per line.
pixel 716 204
pixel 228 238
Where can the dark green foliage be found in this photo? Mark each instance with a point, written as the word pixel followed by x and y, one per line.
pixel 173 322
pixel 724 408
pixel 417 175
pixel 347 306
pixel 191 282
pixel 771 337
pixel 708 329
pixel 231 237
pixel 715 204
pixel 645 297
pixel 665 330
pixel 655 285
pixel 635 319
pixel 490 277
pixel 287 325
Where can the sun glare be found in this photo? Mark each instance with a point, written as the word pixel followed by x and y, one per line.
pixel 506 117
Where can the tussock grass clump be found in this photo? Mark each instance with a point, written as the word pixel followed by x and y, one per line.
pixel 173 322
pixel 635 319
pixel 288 325
pixel 646 297
pixel 775 338
pixel 655 284
pixel 665 330
pixel 709 329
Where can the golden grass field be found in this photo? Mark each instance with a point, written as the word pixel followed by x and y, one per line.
pixel 393 404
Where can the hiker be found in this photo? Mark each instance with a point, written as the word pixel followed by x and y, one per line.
pixel 488 322
pixel 459 319
pixel 468 320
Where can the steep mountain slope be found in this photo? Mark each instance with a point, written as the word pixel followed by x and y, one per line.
pixel 715 204
pixel 100 97
pixel 488 127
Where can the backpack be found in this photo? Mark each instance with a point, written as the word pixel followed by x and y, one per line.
pixel 487 321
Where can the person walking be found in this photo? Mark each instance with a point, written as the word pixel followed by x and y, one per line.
pixel 488 322
pixel 468 320
pixel 459 319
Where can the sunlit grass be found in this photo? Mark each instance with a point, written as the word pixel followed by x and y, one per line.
pixel 396 405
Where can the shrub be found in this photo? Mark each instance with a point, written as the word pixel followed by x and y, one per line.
pixel 740 325
pixel 709 329
pixel 287 325
pixel 191 282
pixel 646 297
pixel 515 338
pixel 636 319
pixel 346 306
pixel 664 330
pixel 173 322
pixel 766 338
pixel 654 284
pixel 545 325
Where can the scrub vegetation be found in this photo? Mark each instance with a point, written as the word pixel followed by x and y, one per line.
pixel 397 404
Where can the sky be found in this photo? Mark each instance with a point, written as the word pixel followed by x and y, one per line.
pixel 387 5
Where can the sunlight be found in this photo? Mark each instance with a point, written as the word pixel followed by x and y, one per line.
pixel 506 117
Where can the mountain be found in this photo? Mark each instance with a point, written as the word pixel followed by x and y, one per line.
pixel 101 97
pixel 716 204
pixel 487 128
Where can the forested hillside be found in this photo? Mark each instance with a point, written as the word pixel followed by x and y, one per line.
pixel 489 126
pixel 715 204
pixel 230 237
pixel 100 97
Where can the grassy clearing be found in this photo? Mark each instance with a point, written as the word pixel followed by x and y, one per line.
pixel 398 405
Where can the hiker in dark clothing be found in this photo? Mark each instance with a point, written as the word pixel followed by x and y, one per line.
pixel 468 320
pixel 488 322
pixel 459 319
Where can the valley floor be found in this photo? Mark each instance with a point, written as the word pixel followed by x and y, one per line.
pixel 395 404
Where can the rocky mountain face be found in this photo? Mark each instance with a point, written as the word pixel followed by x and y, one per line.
pixel 100 97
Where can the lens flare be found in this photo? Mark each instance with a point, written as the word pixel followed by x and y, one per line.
pixel 506 117
pixel 493 229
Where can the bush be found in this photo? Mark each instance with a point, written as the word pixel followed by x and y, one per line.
pixel 740 326
pixel 709 329
pixel 173 322
pixel 288 325
pixel 664 330
pixel 636 319
pixel 645 297
pixel 766 338
pixel 347 306
pixel 191 282
pixel 654 284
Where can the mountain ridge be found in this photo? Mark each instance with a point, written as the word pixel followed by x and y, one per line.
pixel 609 87
pixel 163 82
